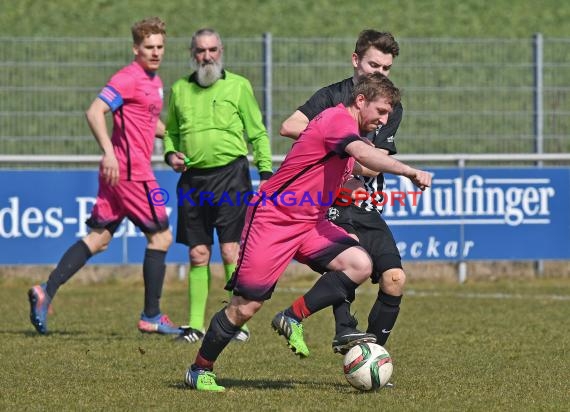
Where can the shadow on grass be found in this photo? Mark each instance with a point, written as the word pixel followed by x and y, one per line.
pixel 33 333
pixel 71 335
pixel 268 384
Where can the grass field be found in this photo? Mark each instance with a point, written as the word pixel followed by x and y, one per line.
pixel 492 346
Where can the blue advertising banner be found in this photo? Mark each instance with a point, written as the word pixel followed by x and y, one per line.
pixel 483 214
pixel 468 214
pixel 43 212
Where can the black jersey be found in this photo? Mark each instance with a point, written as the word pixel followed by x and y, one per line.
pixel 383 137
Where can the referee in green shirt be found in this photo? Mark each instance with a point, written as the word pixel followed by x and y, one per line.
pixel 208 114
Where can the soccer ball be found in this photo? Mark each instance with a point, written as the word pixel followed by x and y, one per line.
pixel 367 366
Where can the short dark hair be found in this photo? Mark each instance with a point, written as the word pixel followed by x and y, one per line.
pixel 382 41
pixel 144 28
pixel 375 85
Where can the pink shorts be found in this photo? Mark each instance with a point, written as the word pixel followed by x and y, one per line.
pixel 271 240
pixel 131 199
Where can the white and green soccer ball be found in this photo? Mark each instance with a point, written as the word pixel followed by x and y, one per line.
pixel 367 366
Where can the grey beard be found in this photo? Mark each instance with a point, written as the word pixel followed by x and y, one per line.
pixel 207 75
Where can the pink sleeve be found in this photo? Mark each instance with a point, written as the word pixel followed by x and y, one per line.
pixel 339 130
pixel 124 84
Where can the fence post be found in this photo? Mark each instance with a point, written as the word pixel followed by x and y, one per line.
pixel 267 84
pixel 462 265
pixel 538 112
pixel 182 272
pixel 125 243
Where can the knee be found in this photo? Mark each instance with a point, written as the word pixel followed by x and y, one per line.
pixel 199 255
pixel 100 247
pixel 161 240
pixel 229 252
pixel 97 242
pixel 364 264
pixel 361 266
pixel 393 281
pixel 246 312
pixel 167 239
pixel 240 310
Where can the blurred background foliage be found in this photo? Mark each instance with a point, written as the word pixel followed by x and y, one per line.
pixel 298 18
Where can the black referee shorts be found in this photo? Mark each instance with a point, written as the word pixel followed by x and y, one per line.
pixel 213 198
pixel 373 235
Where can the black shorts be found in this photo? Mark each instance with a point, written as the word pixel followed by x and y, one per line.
pixel 373 234
pixel 213 198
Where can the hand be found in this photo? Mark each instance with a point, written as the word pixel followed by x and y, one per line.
pixel 176 161
pixel 421 179
pixel 110 169
pixel 353 184
pixel 356 189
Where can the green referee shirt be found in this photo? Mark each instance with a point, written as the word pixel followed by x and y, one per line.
pixel 207 124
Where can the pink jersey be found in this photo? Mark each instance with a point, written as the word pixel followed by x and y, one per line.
pixel 316 166
pixel 135 97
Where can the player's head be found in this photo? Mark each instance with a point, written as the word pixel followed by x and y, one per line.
pixel 374 52
pixel 148 42
pixel 374 96
pixel 207 51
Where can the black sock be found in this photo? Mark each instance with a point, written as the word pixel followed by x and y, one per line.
pixel 331 289
pixel 289 313
pixel 342 317
pixel 153 274
pixel 219 334
pixel 71 261
pixel 383 315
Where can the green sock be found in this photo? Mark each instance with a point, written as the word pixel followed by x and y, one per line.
pixel 198 287
pixel 209 278
pixel 229 270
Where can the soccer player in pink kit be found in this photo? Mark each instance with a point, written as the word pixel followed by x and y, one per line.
pixel 134 96
pixel 280 228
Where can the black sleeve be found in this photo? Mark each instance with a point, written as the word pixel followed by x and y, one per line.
pixel 341 148
pixel 384 138
pixel 321 100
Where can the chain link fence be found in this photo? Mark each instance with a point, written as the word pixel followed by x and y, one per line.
pixel 459 96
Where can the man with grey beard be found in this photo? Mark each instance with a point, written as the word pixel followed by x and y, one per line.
pixel 209 113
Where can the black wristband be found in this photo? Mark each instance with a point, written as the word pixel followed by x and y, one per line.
pixel 166 157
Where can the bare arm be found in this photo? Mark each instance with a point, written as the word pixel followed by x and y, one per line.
pixel 360 170
pixel 159 133
pixel 95 115
pixel 378 160
pixel 294 125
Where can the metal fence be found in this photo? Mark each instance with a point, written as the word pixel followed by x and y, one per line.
pixel 459 95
